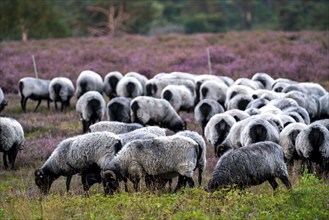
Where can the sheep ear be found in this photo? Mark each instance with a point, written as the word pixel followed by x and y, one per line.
pixel 108 174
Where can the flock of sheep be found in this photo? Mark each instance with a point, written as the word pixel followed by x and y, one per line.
pixel 257 126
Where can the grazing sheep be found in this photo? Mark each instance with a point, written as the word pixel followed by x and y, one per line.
pixel 286 119
pixel 130 87
pixel 88 81
pixel 288 141
pixel 257 103
pixel 200 79
pixel 114 127
pixel 11 140
pixel 258 130
pixel 237 114
pixel 214 90
pixel 241 90
pixel 283 103
pixel 61 90
pixel 179 96
pixel 141 134
pixel 118 109
pixel 85 154
pixel 313 89
pixel 239 101
pixel 250 165
pixel 281 83
pixel 155 86
pixel 110 83
pixel 91 107
pixel 35 89
pixel 218 128
pixel 153 111
pixel 301 111
pixel 312 145
pixel 265 79
pixel 202 160
pixel 161 157
pixel 204 110
pixel 3 101
pixel 250 83
pixel 266 94
pixel 324 122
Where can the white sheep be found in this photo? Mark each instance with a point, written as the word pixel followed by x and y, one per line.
pixel 61 89
pixel 91 107
pixel 179 96
pixel 118 109
pixel 88 81
pixel 140 77
pixel 130 87
pixel 265 79
pixel 237 114
pixel 86 154
pixel 250 83
pixel 153 111
pixel 35 89
pixel 114 127
pixel 3 101
pixel 288 141
pixel 11 140
pixel 161 157
pixel 214 90
pixel 110 83
pixel 250 165
pixel 204 110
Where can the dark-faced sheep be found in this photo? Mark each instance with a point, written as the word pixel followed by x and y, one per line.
pixel 250 165
pixel 88 81
pixel 153 111
pixel 85 154
pixel 91 107
pixel 179 96
pixel 61 90
pixel 11 140
pixel 34 89
pixel 110 83
pixel 118 109
pixel 130 87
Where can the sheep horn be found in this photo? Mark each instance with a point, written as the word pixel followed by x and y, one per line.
pixel 108 174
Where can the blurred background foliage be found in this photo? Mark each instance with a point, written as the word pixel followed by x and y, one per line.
pixel 35 19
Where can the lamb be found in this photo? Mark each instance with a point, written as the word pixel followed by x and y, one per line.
pixel 86 154
pixel 11 140
pixel 161 157
pixel 35 89
pixel 179 96
pixel 214 90
pixel 250 165
pixel 3 101
pixel 288 141
pixel 130 87
pixel 91 107
pixel 61 90
pixel 118 109
pixel 153 111
pixel 204 110
pixel 88 81
pixel 110 83
pixel 312 145
pixel 218 129
pixel 114 127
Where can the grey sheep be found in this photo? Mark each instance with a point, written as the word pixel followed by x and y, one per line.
pixel 217 129
pixel 3 101
pixel 11 140
pixel 288 141
pixel 61 89
pixel 85 154
pixel 204 110
pixel 250 83
pixel 161 157
pixel 88 81
pixel 110 83
pixel 235 90
pixel 118 109
pixel 250 165
pixel 281 83
pixel 323 111
pixel 140 77
pixel 237 114
pixel 312 145
pixel 214 90
pixel 257 103
pixel 179 96
pixel 153 111
pixel 34 89
pixel 300 111
pixel 130 87
pixel 114 127
pixel 91 107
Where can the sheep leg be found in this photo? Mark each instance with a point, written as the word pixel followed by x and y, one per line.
pixel 48 104
pixel 85 126
pixel 286 181
pixel 23 103
pixel 136 183
pixel 68 182
pixel 273 183
pixel 189 181
pixel 36 107
pixel 5 160
pixel 12 153
pixel 126 184
pixel 200 176
pixel 180 183
pixel 55 105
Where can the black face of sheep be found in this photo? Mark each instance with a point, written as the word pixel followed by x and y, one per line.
pixel 221 149
pixel 43 181
pixel 110 181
